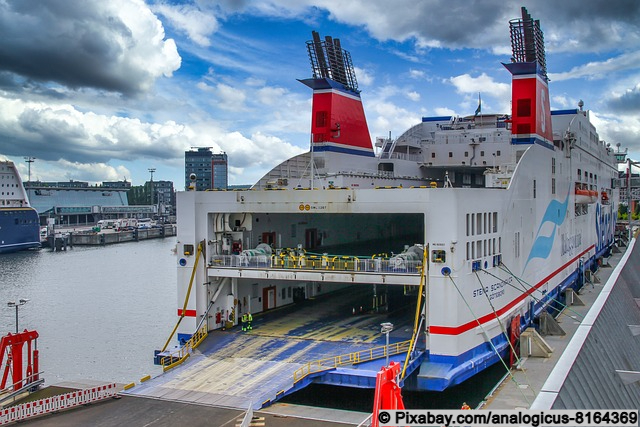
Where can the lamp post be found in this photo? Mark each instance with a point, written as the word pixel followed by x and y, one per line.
pixel 22 301
pixel 386 328
pixel 151 171
pixel 29 160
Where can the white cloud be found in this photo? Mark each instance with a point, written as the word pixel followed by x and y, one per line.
pixel 365 78
pixel 413 95
pixel 443 111
pixel 117 46
pixel 600 69
pixel 197 24
pixel 416 74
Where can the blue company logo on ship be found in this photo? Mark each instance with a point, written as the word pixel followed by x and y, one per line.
pixel 604 226
pixel 555 213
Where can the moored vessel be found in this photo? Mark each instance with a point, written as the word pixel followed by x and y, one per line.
pixel 485 221
pixel 19 224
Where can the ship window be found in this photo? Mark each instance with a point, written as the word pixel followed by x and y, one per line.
pixel 473 221
pixel 479 248
pixel 321 119
pixel 468 224
pixel 433 155
pixel 553 186
pixel 481 153
pixel 495 222
pixel 498 153
pixel 484 228
pixel 553 165
pixel 500 244
pixel 534 188
pixel 466 154
pixel 468 250
pixel 438 256
pixel 450 154
pixel 479 223
pixel 524 107
pixel 517 245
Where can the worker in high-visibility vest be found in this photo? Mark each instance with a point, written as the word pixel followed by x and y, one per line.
pixel 249 320
pixel 244 322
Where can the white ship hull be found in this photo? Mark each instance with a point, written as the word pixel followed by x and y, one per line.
pixel 495 205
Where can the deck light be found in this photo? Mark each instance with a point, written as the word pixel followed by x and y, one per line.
pixel 386 328
pixel 21 301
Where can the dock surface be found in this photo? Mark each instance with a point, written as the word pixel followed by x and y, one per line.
pixel 521 388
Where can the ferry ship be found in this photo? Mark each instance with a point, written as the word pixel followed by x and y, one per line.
pixel 487 220
pixel 19 225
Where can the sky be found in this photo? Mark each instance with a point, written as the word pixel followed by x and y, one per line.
pixel 98 90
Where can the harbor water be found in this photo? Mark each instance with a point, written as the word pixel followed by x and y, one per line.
pixel 100 311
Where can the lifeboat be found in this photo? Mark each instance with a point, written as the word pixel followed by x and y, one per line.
pixel 584 195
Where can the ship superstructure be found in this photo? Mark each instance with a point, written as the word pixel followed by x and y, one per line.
pixel 19 225
pixel 486 220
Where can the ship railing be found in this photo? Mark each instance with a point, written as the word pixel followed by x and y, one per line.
pixel 349 359
pixel 176 357
pixel 317 262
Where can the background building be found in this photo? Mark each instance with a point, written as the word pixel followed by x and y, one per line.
pixel 78 203
pixel 211 169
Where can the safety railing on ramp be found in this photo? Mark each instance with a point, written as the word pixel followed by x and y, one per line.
pixel 174 358
pixel 350 359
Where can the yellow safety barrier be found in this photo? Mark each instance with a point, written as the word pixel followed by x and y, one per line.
pixel 350 359
pixel 167 362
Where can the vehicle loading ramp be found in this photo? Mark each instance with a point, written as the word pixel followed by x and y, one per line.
pixel 235 369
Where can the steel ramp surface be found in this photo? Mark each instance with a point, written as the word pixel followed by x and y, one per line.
pixel 233 370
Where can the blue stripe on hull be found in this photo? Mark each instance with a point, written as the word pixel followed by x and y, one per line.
pixel 365 153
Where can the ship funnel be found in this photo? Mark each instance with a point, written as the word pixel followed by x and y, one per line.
pixel 338 123
pixel 531 115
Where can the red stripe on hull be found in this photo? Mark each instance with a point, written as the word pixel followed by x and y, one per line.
pixel 188 313
pixel 457 330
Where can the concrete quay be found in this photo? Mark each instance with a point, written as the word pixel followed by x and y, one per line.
pixel 69 237
pixel 520 388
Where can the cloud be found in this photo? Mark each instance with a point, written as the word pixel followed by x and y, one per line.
pixel 600 69
pixel 197 24
pixel 627 102
pixel 115 45
pixel 483 83
pixel 413 95
pixel 570 25
pixel 54 132
pixel 417 74
pixel 365 77
pixel 93 172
